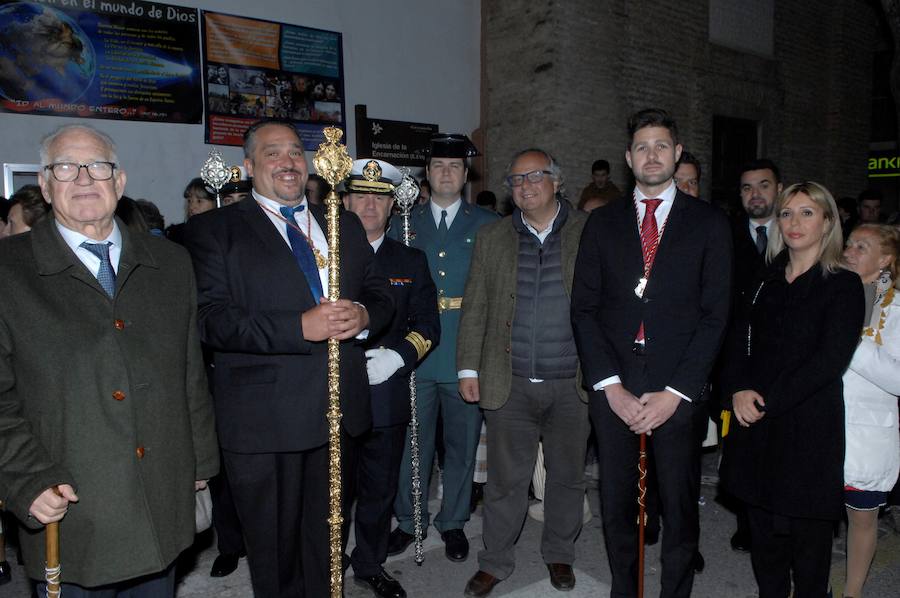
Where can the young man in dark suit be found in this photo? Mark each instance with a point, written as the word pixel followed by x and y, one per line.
pixel 261 267
pixel 760 185
pixel 650 304
pixel 392 355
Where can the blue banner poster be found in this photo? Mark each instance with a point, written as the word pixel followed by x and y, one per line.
pixel 115 59
pixel 257 69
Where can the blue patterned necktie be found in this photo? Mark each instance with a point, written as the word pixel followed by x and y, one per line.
pixel 106 275
pixel 303 252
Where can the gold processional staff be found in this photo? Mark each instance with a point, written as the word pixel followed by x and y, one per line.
pixel 333 163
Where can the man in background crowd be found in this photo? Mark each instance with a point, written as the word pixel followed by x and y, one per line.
pixel 601 190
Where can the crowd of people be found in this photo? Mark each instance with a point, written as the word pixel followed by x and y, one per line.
pixel 196 357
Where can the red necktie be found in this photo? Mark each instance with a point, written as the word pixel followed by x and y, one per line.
pixel 649 243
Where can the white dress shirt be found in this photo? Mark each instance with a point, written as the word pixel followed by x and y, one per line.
pixel 74 240
pixel 662 216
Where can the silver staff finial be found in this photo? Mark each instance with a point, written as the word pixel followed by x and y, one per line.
pixel 215 174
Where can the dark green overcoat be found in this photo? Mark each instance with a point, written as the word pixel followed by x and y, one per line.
pixel 109 396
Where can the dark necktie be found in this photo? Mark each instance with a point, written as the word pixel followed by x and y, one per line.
pixel 442 227
pixel 649 243
pixel 106 276
pixel 302 251
pixel 762 239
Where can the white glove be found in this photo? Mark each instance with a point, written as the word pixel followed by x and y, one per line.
pixel 381 364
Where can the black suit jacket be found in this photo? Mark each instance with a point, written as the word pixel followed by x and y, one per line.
pixel 415 300
pixel 270 385
pixel 749 265
pixel 684 308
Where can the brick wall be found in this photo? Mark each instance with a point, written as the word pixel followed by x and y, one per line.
pixel 565 76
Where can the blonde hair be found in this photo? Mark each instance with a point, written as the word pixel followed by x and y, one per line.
pixel 889 240
pixel 831 247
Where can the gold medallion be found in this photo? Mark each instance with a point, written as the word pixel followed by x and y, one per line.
pixel 321 262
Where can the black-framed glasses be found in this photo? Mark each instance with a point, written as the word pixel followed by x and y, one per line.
pixel 66 172
pixel 535 177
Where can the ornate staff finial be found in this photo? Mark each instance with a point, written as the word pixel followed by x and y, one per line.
pixel 332 161
pixel 215 174
pixel 407 192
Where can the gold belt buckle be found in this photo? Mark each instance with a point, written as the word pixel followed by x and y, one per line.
pixel 445 303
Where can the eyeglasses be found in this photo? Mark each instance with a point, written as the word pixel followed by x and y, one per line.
pixel 66 172
pixel 535 176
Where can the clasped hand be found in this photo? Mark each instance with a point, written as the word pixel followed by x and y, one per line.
pixel 746 405
pixel 341 319
pixel 642 414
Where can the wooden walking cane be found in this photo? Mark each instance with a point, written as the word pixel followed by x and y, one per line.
pixel 642 511
pixel 333 164
pixel 52 568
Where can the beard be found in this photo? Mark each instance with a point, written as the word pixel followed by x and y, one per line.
pixel 760 210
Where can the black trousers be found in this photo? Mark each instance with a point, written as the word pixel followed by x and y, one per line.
pixel 282 501
pixel 378 455
pixel 229 538
pixel 790 547
pixel 676 472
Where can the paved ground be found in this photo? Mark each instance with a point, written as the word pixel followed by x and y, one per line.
pixel 727 575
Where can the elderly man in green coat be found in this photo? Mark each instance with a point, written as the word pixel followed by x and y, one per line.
pixel 106 424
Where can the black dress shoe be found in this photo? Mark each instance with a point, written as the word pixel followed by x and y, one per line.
pixel 5 573
pixel 699 562
pixel 456 546
pixel 224 565
pixel 481 584
pixel 382 584
pixel 740 541
pixel 561 576
pixel 398 541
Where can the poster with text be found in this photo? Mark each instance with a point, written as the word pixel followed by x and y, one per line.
pixel 119 59
pixel 260 69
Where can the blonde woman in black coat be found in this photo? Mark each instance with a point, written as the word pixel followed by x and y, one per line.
pixel 784 454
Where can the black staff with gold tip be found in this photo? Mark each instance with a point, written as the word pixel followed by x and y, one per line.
pixel 333 163
pixel 405 196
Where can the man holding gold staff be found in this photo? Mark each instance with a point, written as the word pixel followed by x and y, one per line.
pixel 262 276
